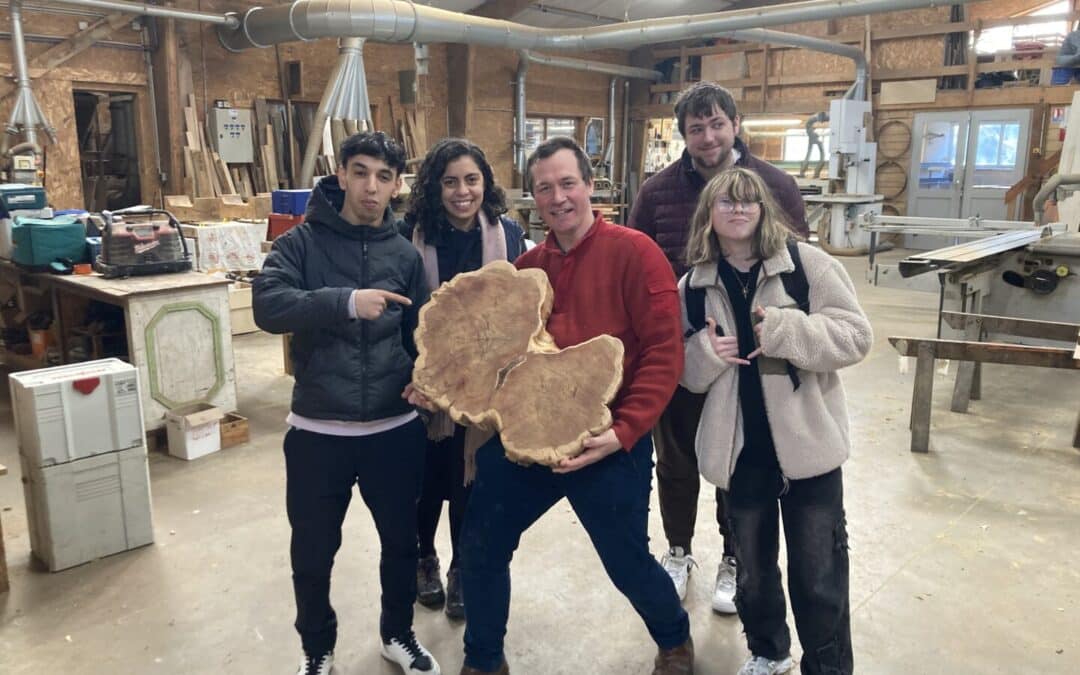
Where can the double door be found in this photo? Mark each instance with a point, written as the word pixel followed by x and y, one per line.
pixel 964 162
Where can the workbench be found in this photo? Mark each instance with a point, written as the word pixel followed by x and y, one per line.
pixel 177 326
pixel 972 352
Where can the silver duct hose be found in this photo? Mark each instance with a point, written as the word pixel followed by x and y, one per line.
pixel 775 37
pixel 345 100
pixel 593 66
pixel 26 112
pixel 609 146
pixel 624 176
pixel 1039 203
pixel 519 117
pixel 225 20
pixel 407 21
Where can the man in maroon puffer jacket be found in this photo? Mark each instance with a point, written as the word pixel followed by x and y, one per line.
pixel 662 209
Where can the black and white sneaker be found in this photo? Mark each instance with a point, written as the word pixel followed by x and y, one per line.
pixel 320 664
pixel 410 655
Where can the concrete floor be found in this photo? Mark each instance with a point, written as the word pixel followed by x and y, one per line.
pixel 963 560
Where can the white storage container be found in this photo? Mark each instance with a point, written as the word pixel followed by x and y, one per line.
pixel 7 223
pixel 194 430
pixel 88 508
pixel 80 410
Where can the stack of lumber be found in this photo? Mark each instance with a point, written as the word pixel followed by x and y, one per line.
pixel 225 207
pixel 207 175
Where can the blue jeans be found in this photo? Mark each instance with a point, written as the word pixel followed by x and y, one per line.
pixel 610 498
pixel 816 535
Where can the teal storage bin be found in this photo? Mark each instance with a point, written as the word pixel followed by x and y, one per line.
pixel 36 242
pixel 20 197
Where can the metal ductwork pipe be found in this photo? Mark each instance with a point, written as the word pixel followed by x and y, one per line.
pixel 224 20
pixel 519 117
pixel 624 176
pixel 25 113
pixel 593 66
pixel 344 104
pixel 1039 203
pixel 609 145
pixel 775 37
pixel 407 21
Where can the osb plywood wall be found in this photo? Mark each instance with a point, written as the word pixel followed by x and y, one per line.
pixel 97 69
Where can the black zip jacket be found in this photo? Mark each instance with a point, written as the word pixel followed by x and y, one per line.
pixel 345 369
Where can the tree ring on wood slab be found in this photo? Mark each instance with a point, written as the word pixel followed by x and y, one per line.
pixel 486 358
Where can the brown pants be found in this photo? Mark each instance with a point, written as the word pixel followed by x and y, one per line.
pixel 677 473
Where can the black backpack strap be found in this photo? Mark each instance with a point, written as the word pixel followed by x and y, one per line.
pixel 695 308
pixel 795 283
pixel 796 286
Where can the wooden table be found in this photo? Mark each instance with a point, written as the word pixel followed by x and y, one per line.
pixel 178 332
pixel 973 352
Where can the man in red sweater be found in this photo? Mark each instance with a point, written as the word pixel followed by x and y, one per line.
pixel 607 280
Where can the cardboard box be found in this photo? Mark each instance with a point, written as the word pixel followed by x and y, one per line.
pixel 240 313
pixel 194 430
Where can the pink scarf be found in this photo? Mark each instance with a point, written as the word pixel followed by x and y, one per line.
pixel 493 245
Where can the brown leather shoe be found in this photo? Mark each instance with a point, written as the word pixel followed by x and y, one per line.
pixel 676 661
pixel 504 669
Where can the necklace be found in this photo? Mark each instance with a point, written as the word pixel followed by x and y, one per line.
pixel 749 280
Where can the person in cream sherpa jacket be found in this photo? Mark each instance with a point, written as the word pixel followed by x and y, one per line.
pixel 771 436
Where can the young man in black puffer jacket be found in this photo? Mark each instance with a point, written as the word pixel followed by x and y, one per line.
pixel 349 289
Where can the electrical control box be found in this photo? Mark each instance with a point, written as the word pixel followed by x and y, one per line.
pixel 232 134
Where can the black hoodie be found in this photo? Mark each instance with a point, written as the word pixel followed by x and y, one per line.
pixel 345 369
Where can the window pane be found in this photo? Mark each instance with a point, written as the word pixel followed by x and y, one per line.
pixel 561 127
pixel 989 145
pixel 938 155
pixel 534 133
pixel 796 142
pixel 1010 140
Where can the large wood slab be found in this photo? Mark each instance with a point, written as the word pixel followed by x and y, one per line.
pixel 486 358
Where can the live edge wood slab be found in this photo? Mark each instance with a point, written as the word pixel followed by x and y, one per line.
pixel 486 358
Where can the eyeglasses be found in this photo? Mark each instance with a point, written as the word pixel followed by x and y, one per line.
pixel 728 206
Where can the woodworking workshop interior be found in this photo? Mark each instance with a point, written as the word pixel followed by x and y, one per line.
pixel 742 335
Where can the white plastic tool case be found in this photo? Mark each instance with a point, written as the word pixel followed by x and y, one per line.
pixel 89 508
pixel 80 410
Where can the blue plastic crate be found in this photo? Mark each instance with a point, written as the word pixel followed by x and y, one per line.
pixel 291 202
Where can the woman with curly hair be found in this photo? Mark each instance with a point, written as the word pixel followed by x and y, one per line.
pixel 455 218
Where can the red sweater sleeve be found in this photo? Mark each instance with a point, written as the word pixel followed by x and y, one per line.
pixel 653 299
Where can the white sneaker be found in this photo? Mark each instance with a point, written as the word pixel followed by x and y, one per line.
pixel 321 664
pixel 759 665
pixel 410 655
pixel 677 564
pixel 723 599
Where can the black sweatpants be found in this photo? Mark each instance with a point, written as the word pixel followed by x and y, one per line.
pixel 320 473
